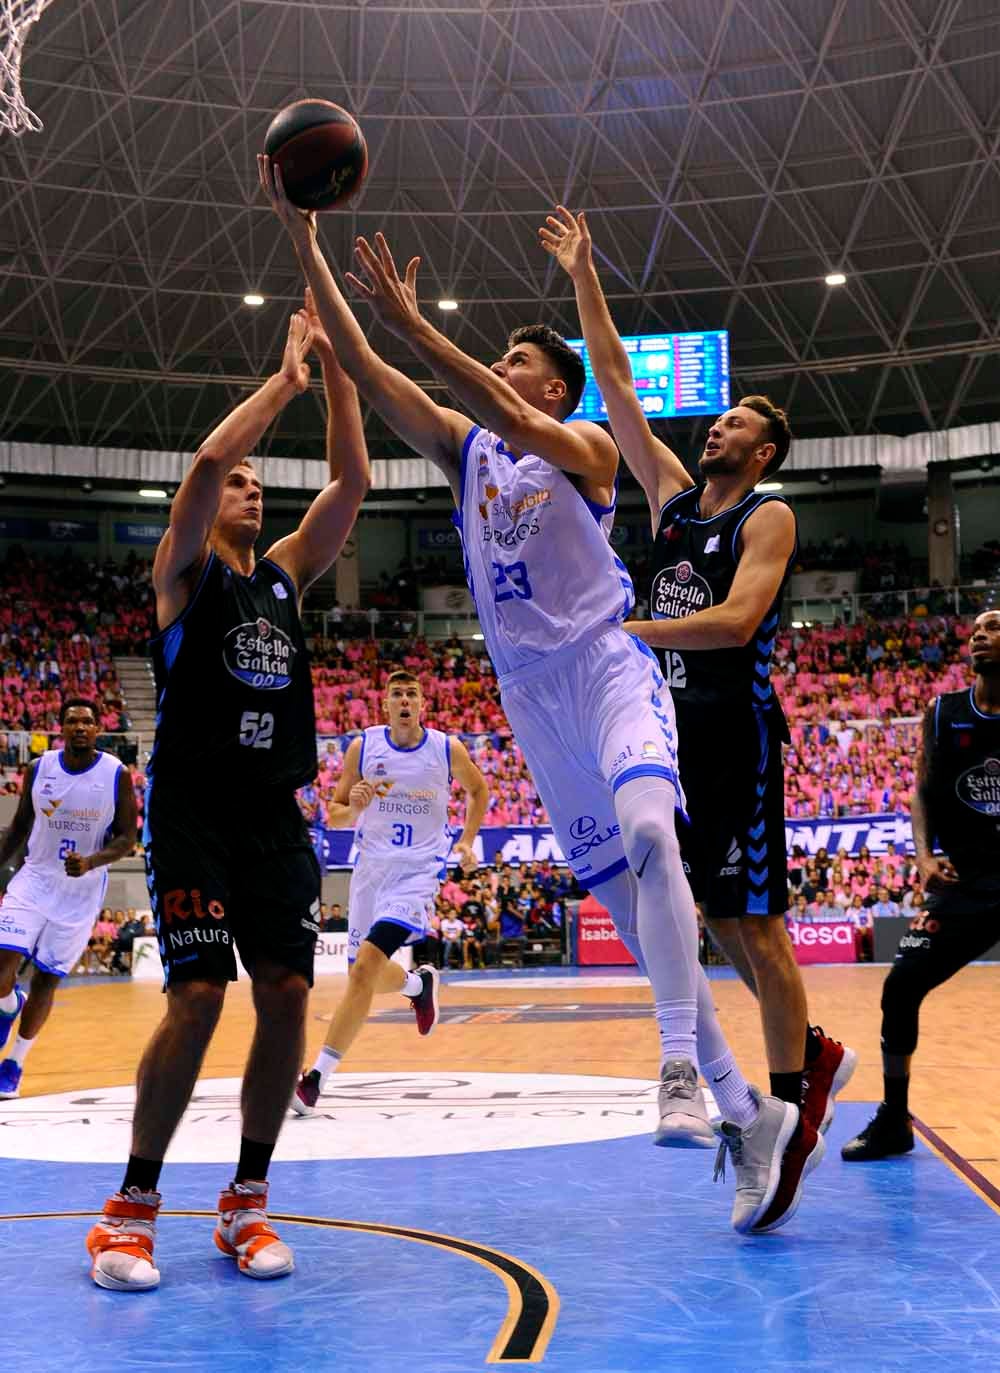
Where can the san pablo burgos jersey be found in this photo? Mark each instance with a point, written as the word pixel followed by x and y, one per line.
pixel 537 555
pixel 73 814
pixel 407 820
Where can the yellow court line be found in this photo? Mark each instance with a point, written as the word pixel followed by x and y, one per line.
pixel 538 1333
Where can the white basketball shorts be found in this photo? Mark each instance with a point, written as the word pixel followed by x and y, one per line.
pixel 52 939
pixel 385 891
pixel 588 719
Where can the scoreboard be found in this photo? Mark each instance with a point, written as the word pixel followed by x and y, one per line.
pixel 674 374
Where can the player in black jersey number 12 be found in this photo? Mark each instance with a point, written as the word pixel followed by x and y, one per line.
pixel 722 554
pixel 228 857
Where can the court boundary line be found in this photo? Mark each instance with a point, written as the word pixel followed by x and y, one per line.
pixel 533 1302
pixel 960 1166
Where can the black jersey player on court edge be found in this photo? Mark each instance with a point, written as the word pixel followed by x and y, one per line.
pixel 723 552
pixel 956 807
pixel 229 861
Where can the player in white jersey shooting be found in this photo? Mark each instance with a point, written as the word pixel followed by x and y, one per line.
pixel 535 497
pixel 394 792
pixel 76 815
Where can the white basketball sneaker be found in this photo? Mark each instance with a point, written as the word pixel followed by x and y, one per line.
pixel 245 1234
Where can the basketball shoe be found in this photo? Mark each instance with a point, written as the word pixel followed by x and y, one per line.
pixel 804 1153
pixel 306 1094
pixel 7 1018
pixel 425 1003
pixel 245 1234
pixel 757 1151
pixel 10 1079
pixel 828 1074
pixel 121 1243
pixel 887 1134
pixel 683 1117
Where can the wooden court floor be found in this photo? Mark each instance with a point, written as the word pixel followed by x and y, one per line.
pixel 96 1035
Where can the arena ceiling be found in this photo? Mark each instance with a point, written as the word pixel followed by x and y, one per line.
pixel 730 153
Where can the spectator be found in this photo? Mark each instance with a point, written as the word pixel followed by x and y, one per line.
pixel 452 934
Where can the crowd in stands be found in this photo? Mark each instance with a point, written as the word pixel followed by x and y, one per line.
pixel 62 620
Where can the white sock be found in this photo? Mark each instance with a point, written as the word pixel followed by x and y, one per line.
pixel 675 1021
pixel 20 1050
pixel 327 1062
pixel 8 1003
pixel 413 985
pixel 731 1090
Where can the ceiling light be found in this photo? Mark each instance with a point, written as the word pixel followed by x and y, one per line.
pixel 477 636
pixel 770 486
pixel 152 493
pixel 835 279
pixel 798 624
pixel 253 299
pixel 448 304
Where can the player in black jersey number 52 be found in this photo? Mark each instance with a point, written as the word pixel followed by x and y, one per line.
pixel 723 551
pixel 228 856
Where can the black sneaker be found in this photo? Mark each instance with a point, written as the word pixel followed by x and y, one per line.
pixel 886 1134
pixel 425 1003
pixel 306 1094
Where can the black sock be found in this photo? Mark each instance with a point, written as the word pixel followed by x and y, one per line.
pixel 143 1173
pixel 897 1091
pixel 814 1045
pixel 787 1087
pixel 255 1159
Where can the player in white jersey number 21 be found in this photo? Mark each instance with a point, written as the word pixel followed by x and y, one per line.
pixel 535 493
pixel 394 791
pixel 77 814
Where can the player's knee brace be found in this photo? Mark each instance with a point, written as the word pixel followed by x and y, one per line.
pixel 902 996
pixel 388 936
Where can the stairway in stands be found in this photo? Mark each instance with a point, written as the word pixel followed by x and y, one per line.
pixel 136 677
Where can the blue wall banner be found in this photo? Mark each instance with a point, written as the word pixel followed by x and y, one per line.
pixel 138 533
pixel 537 843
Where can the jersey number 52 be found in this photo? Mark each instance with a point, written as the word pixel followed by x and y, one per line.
pixel 256 729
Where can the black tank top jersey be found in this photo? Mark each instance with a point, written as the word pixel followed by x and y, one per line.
pixel 694 563
pixel 233 687
pixel 963 773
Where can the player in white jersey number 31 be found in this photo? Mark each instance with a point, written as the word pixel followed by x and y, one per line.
pixel 394 792
pixel 535 494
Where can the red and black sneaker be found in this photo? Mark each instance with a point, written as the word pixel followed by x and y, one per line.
pixel 306 1094
pixel 804 1153
pixel 828 1074
pixel 425 1003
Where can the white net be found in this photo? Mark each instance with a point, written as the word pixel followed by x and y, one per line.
pixel 16 19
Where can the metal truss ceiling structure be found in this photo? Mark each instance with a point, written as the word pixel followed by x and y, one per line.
pixel 730 153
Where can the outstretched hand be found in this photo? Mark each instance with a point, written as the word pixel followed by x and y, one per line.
pixel 301 224
pixel 294 367
pixel 567 239
pixel 393 300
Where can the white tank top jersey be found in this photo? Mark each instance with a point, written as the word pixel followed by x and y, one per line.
pixel 73 814
pixel 538 559
pixel 407 820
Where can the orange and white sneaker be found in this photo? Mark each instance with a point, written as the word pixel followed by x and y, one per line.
pixel 244 1233
pixel 121 1243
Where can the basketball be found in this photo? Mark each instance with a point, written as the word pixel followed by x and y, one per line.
pixel 321 152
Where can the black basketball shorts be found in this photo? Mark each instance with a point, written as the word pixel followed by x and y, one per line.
pixel 239 874
pixel 733 845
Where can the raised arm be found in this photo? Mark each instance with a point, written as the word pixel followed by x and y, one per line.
pixel 656 467
pixel 768 539
pixel 184 547
pixel 121 840
pixel 477 797
pixel 306 554
pixel 433 431
pixel 578 447
pixel 24 817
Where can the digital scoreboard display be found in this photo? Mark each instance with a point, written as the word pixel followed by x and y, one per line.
pixel 675 375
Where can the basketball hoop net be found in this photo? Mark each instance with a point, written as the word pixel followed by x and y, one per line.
pixel 16 18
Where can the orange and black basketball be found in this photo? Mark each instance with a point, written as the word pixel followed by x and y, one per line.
pixel 321 152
